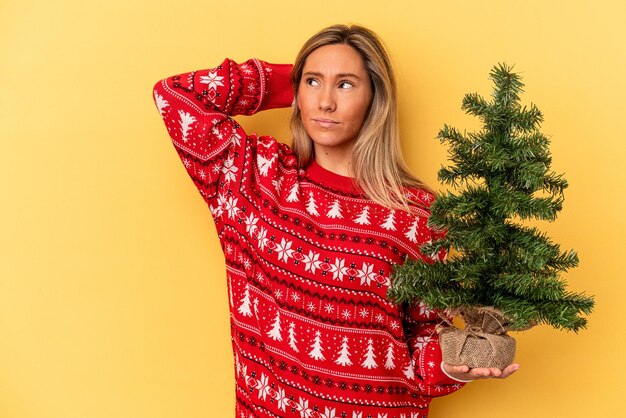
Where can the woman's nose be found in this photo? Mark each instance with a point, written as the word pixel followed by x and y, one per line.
pixel 327 99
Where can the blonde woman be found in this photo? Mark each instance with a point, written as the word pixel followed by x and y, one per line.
pixel 310 232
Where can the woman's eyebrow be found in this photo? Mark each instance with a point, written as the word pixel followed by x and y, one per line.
pixel 317 74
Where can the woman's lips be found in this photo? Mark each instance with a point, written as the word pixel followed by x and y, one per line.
pixel 325 123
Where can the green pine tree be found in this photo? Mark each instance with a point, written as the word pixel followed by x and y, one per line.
pixel 501 172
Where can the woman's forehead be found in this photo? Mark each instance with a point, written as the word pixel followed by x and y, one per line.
pixel 335 60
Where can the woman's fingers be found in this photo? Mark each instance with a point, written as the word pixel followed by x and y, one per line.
pixel 460 369
pixel 483 372
pixel 509 370
pixel 495 372
pixel 480 373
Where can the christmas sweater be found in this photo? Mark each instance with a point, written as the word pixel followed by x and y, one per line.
pixel 308 261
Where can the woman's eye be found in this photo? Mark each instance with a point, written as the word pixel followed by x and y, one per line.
pixel 345 85
pixel 311 82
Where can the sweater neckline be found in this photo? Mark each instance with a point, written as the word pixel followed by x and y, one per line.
pixel 331 180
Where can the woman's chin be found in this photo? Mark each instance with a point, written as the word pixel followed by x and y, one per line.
pixel 330 141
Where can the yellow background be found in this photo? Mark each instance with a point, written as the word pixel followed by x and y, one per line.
pixel 113 300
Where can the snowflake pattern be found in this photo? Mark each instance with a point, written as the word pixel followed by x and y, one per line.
pixel 229 170
pixel 263 387
pixel 230 206
pixel 338 269
pixel 303 406
pixel 420 341
pixel 367 274
pixel 262 238
pixel 283 250
pixel 311 262
pixel 212 80
pixel 251 224
pixel 329 413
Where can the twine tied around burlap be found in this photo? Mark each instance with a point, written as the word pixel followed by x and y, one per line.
pixel 483 342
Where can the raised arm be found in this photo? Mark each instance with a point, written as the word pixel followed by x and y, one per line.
pixel 197 107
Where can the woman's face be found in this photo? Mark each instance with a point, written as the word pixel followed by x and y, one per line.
pixel 334 95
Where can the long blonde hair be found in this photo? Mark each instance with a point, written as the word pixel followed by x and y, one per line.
pixel 378 165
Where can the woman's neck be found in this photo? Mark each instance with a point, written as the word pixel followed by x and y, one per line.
pixel 337 161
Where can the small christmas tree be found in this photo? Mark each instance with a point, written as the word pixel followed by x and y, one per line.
pixel 276 329
pixel 311 206
pixel 389 364
pixel 316 347
pixel 504 276
pixel 244 308
pixel 369 360
pixel 292 337
pixel 335 210
pixel 344 354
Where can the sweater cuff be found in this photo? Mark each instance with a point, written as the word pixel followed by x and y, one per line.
pixel 453 378
pixel 279 90
pixel 438 377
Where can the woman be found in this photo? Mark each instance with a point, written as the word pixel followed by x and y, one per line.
pixel 310 232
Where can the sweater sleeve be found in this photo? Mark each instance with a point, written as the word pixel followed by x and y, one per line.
pixel 420 327
pixel 425 350
pixel 197 106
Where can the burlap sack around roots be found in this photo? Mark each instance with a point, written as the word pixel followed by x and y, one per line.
pixel 483 343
